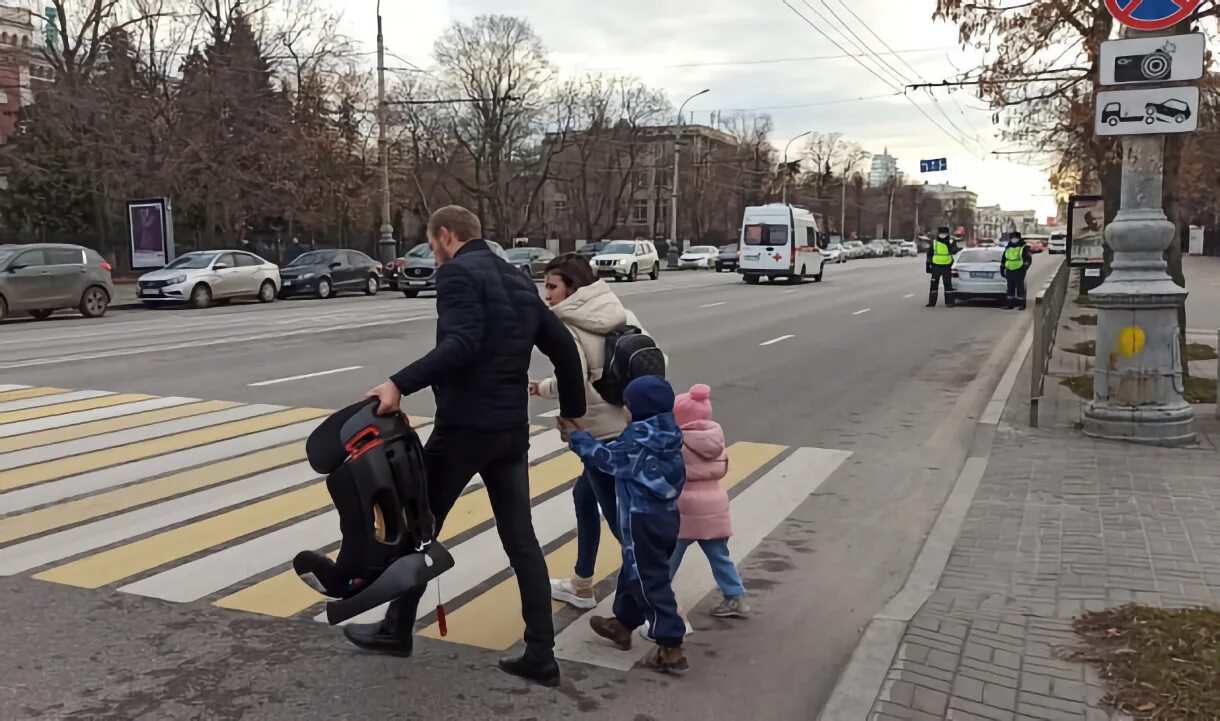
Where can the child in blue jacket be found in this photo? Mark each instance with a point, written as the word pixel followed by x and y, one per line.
pixel 646 462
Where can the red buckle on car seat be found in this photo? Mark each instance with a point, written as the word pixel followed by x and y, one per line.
pixel 357 446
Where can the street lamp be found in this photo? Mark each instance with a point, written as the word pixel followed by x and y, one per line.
pixel 784 185
pixel 674 250
pixel 386 248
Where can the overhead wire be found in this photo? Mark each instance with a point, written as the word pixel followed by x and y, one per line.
pixel 888 82
pixel 902 78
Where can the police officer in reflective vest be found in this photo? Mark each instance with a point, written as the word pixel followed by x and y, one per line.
pixel 940 266
pixel 1016 262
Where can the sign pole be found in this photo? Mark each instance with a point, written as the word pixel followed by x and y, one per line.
pixel 1137 371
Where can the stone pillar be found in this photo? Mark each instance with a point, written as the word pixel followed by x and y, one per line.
pixel 1137 372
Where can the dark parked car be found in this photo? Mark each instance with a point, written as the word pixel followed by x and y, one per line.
pixel 727 258
pixel 531 261
pixel 419 273
pixel 588 250
pixel 324 273
pixel 42 278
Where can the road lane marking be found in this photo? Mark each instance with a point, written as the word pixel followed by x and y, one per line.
pixel 285 595
pixel 792 290
pixel 713 305
pixel 757 511
pixel 214 572
pixel 155 448
pixel 67 449
pixel 23 400
pixel 6 387
pixel 159 413
pixel 146 554
pixel 86 404
pixel 43 550
pixel 493 619
pixel 304 376
pixel 909 295
pixel 125 473
pixel 862 311
pixel 228 340
pixel 22 393
pixel 139 494
pixel 550 414
pixel 773 341
pixel 83 417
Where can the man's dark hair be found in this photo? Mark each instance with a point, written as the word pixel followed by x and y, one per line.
pixel 573 269
pixel 457 220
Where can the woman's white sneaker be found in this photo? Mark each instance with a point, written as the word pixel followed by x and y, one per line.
pixel 576 592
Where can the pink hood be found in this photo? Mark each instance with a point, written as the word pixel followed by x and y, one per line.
pixel 703 450
pixel 704 505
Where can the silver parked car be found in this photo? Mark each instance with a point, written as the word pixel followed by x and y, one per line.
pixel 201 277
pixel 42 278
pixel 418 273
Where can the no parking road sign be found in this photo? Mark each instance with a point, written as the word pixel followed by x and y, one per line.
pixel 1151 14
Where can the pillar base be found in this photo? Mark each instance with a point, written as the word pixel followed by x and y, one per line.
pixel 1169 425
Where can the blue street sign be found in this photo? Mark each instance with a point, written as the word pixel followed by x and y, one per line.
pixel 935 165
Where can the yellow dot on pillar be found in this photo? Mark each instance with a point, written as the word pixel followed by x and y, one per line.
pixel 1131 340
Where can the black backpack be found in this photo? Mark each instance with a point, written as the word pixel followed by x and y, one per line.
pixel 630 354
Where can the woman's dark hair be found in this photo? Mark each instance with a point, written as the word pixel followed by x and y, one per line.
pixel 573 269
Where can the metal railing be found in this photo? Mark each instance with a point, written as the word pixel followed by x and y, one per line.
pixel 1048 306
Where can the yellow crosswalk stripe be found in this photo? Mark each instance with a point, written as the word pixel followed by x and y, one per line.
pixel 87 404
pixel 149 553
pixel 121 499
pixel 284 595
pixel 503 599
pixel 24 393
pixel 64 467
pixel 493 619
pixel 108 425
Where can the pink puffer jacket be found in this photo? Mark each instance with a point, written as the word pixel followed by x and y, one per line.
pixel 704 504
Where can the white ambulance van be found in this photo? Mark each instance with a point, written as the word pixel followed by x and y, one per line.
pixel 780 241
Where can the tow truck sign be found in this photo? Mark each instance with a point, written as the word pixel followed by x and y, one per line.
pixel 1151 14
pixel 1148 111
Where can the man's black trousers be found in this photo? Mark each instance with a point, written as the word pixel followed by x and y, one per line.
pixel 941 273
pixel 1016 288
pixel 452 457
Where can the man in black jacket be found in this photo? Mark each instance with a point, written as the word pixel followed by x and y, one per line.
pixel 489 319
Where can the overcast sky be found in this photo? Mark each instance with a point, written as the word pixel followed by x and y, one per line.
pixel 648 38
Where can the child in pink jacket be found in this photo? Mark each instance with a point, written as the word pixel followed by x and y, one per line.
pixel 704 505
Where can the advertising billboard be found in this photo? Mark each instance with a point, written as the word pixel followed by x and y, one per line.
pixel 1086 230
pixel 151 232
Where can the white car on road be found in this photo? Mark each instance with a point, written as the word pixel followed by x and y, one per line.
pixel 627 259
pixel 699 256
pixel 1058 243
pixel 976 274
pixel 201 277
pixel 907 248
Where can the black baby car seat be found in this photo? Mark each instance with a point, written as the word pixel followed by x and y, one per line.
pixel 375 475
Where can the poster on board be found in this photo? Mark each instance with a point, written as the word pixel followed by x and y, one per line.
pixel 151 232
pixel 1086 230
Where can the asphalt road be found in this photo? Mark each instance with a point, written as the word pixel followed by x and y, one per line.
pixel 858 400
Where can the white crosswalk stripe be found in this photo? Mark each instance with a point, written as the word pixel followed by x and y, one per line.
pixel 211 506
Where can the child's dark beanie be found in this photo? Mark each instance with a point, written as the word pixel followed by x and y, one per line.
pixel 649 396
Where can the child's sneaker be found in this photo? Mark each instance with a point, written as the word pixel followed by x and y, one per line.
pixel 666 659
pixel 612 630
pixel 577 592
pixel 731 608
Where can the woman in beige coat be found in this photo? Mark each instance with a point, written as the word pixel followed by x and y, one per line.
pixel 590 310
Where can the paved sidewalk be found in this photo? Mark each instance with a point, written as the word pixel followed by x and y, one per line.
pixel 1060 524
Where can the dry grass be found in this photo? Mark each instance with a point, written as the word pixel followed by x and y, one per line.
pixel 1200 352
pixel 1084 347
pixel 1158 664
pixel 1085 319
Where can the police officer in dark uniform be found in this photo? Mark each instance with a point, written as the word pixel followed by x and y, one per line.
pixel 940 266
pixel 1014 265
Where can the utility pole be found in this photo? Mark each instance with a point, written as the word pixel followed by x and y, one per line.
pixel 1137 372
pixel 386 249
pixel 915 239
pixel 675 246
